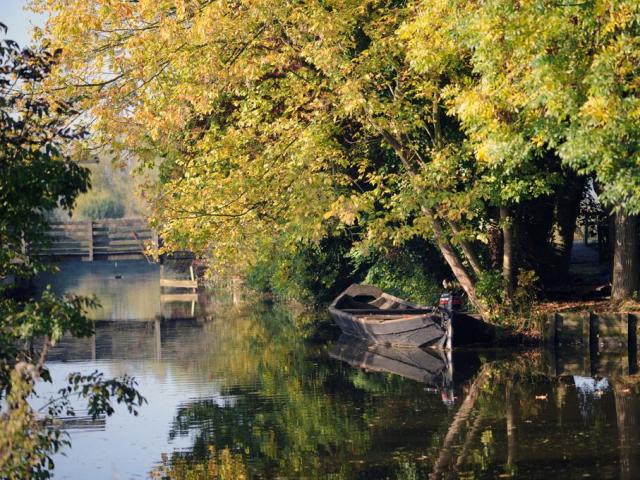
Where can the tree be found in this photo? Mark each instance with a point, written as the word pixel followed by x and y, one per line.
pixel 37 177
pixel 567 73
pixel 272 120
pixel 297 120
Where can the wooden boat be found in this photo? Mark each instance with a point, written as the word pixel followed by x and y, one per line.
pixel 428 366
pixel 367 312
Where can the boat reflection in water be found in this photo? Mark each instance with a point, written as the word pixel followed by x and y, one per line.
pixel 432 367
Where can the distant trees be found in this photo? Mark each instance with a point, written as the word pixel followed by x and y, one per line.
pixel 115 190
pixel 473 125
pixel 100 205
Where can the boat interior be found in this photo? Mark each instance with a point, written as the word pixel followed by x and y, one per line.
pixel 369 302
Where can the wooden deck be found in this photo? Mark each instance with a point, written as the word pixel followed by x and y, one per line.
pixel 114 239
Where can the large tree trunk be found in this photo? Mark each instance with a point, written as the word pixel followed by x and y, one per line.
pixel 441 237
pixel 567 210
pixel 467 249
pixel 508 248
pixel 625 279
pixel 452 259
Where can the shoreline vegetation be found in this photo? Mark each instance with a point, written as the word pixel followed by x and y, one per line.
pixel 399 143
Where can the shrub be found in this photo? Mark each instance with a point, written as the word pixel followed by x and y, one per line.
pixel 310 273
pixel 316 273
pixel 410 273
pixel 490 288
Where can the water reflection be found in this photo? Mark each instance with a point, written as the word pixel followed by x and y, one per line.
pixel 128 290
pixel 259 392
pixel 434 368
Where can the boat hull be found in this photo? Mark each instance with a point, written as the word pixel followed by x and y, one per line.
pixel 419 331
pixel 389 320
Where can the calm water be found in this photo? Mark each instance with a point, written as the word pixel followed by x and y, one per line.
pixel 259 392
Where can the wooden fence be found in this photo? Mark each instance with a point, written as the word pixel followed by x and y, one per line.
pixel 114 238
pixel 593 330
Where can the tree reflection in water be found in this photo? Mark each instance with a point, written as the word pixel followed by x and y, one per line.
pixel 291 400
pixel 292 412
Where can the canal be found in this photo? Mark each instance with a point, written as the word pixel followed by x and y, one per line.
pixel 254 390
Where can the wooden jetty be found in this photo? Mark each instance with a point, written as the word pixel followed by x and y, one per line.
pixel 599 331
pixel 588 342
pixel 188 283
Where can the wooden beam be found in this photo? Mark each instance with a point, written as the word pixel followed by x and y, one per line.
pixel 178 297
pixel 90 237
pixel 174 283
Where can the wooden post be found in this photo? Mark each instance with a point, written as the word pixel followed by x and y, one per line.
pixel 557 320
pixel 594 345
pixel 593 334
pixel 90 238
pixel 549 329
pixel 512 443
pixel 586 230
pixel 156 244
pixel 157 335
pixel 632 348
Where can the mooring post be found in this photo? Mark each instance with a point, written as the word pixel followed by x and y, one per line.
pixel 90 239
pixel 586 230
pixel 156 243
pixel 157 334
pixel 593 333
pixel 549 329
pixel 557 320
pixel 632 348
pixel 593 342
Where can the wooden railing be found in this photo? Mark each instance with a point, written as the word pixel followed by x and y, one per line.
pixel 125 237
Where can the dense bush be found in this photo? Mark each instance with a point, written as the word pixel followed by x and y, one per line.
pixel 414 272
pixel 517 311
pixel 315 274
pixel 312 273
